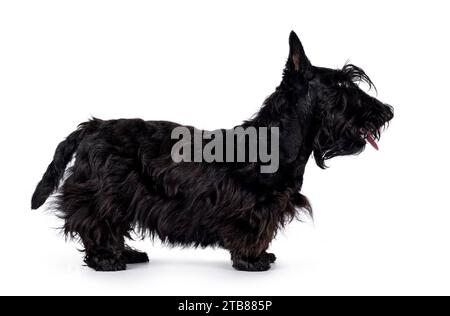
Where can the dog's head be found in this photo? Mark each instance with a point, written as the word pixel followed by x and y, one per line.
pixel 346 118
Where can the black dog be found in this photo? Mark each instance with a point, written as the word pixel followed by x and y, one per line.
pixel 124 178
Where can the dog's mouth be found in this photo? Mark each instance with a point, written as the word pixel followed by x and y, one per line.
pixel 371 138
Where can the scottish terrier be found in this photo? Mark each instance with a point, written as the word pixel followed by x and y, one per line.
pixel 124 178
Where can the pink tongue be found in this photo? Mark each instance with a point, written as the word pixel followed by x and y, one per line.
pixel 372 141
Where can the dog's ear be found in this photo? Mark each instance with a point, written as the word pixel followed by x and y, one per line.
pixel 297 60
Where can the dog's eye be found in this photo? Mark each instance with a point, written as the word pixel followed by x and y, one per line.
pixel 340 84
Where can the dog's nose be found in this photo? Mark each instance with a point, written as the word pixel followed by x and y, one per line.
pixel 390 112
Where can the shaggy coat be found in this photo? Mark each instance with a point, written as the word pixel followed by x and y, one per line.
pixel 124 180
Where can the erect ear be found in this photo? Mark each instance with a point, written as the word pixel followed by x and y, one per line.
pixel 297 58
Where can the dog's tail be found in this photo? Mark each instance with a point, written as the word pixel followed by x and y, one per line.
pixel 63 155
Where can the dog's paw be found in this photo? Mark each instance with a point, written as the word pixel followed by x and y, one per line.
pixel 132 256
pixel 269 257
pixel 258 266
pixel 253 265
pixel 105 264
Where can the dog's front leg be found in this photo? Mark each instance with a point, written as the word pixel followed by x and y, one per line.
pixel 248 246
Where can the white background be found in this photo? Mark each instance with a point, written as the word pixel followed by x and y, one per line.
pixel 382 222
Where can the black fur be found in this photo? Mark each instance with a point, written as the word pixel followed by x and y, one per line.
pixel 124 179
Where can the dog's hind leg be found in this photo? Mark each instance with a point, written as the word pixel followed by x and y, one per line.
pixel 101 214
pixel 109 252
pixel 113 257
pixel 102 237
pixel 104 252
